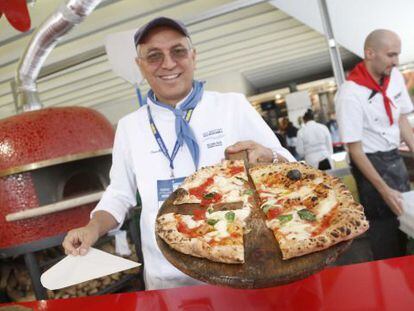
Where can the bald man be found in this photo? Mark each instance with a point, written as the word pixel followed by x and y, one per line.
pixel 371 108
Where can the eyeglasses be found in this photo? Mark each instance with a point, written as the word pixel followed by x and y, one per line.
pixel 157 57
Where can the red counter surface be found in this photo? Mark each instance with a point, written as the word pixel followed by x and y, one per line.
pixel 380 285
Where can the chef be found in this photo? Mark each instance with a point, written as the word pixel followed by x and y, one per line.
pixel 181 128
pixel 372 107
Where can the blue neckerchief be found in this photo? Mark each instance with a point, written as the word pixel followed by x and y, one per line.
pixel 182 128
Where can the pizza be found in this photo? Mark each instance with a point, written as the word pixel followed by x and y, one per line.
pixel 305 209
pixel 215 235
pixel 224 183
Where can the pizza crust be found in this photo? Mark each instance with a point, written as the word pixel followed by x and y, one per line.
pixel 166 228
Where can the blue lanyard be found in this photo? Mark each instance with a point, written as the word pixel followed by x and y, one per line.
pixel 160 141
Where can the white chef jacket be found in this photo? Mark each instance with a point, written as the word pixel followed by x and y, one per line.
pixel 314 142
pixel 364 119
pixel 218 121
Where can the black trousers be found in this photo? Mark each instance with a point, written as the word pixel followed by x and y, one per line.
pixel 385 238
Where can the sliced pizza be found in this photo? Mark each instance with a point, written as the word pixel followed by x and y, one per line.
pixel 306 209
pixel 223 183
pixel 217 236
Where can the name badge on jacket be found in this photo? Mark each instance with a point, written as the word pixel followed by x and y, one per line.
pixel 166 187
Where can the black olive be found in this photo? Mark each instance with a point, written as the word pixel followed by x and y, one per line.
pixel 294 174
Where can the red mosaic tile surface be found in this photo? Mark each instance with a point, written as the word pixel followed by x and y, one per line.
pixel 50 133
pixel 36 136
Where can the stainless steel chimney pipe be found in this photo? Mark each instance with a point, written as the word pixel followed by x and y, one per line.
pixel 42 43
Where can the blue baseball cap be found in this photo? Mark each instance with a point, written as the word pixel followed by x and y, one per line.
pixel 156 22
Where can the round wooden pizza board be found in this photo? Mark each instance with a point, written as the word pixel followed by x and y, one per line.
pixel 263 265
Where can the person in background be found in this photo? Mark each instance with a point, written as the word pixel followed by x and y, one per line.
pixel 314 143
pixel 332 125
pixel 291 138
pixel 181 128
pixel 371 107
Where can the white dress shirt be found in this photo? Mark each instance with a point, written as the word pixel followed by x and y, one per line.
pixel 314 143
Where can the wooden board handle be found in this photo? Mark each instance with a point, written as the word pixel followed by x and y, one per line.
pixel 55 207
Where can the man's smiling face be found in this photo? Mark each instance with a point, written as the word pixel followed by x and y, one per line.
pixel 167 62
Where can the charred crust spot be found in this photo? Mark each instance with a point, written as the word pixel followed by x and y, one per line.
pixel 335 234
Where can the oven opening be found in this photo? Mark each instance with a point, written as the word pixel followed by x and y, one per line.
pixel 82 183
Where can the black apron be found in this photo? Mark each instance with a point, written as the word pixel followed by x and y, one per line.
pixel 385 237
pixel 390 166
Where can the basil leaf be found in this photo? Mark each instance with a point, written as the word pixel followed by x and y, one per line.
pixel 248 192
pixel 306 214
pixel 210 210
pixel 285 218
pixel 266 208
pixel 212 222
pixel 209 195
pixel 230 216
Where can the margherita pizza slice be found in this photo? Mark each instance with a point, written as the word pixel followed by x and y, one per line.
pixel 306 209
pixel 223 183
pixel 217 236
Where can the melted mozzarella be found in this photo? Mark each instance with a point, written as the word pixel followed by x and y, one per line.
pixel 302 193
pixel 226 185
pixel 326 205
pixel 240 214
pixel 168 217
pixel 219 232
pixel 221 225
pixel 296 228
pixel 233 195
pixel 202 176
pixel 190 222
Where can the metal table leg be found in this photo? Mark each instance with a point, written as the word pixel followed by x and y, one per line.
pixel 34 272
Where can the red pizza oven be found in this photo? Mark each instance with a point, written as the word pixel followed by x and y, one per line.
pixel 49 156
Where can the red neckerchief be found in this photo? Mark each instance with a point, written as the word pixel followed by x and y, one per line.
pixel 361 76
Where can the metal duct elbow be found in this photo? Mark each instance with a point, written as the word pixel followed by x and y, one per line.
pixel 42 43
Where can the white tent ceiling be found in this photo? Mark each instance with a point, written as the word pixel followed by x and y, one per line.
pixel 263 44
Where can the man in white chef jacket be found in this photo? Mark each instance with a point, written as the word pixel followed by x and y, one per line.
pixel 372 107
pixel 180 129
